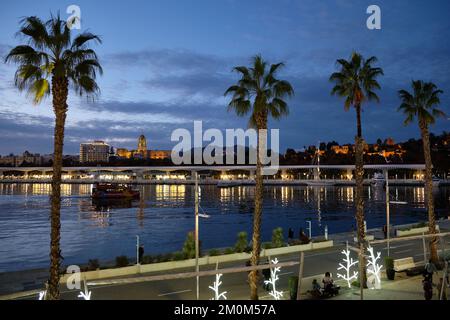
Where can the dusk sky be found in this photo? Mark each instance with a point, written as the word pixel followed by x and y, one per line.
pixel 168 63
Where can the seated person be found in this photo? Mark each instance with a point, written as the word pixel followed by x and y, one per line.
pixel 316 289
pixel 327 282
pixel 303 237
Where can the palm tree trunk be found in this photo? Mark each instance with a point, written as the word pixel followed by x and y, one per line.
pixel 60 92
pixel 359 177
pixel 358 120
pixel 256 238
pixel 429 189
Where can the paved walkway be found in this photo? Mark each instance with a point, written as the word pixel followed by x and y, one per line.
pixel 403 288
pixel 316 261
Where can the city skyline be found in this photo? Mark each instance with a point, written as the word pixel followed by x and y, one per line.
pixel 159 76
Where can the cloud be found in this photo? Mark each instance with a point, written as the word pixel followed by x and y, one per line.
pixel 167 60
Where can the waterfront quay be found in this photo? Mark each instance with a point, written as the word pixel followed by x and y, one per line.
pixel 339 175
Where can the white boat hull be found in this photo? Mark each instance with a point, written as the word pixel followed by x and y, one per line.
pixel 320 183
pixel 228 184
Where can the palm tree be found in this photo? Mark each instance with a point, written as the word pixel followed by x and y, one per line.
pixel 421 104
pixel 356 82
pixel 261 94
pixel 48 63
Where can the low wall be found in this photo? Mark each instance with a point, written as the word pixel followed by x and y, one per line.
pixel 208 260
pixel 413 231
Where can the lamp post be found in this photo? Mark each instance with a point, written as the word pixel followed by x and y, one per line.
pixel 309 228
pixel 137 250
pixel 197 251
pixel 388 228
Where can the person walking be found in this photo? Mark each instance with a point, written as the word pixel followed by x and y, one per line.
pixel 427 288
pixel 141 253
pixel 290 234
pixel 430 269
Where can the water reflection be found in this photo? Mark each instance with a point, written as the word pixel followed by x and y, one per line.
pixel 164 214
pixel 170 192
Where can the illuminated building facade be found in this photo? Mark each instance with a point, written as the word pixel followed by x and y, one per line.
pixel 97 151
pixel 142 152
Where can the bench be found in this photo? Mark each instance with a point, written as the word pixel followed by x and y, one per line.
pixel 404 264
pixel 369 237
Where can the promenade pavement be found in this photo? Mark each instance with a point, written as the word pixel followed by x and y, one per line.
pixel 316 264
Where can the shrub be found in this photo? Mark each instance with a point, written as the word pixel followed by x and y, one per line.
pixel 277 238
pixel 214 252
pixel 229 251
pixel 444 256
pixel 177 256
pixel 241 243
pixel 389 263
pixel 355 284
pixel 167 257
pixel 295 242
pixel 415 226
pixel 267 245
pixel 147 259
pixel 421 225
pixel 122 261
pixel 93 264
pixel 293 286
pixel 189 246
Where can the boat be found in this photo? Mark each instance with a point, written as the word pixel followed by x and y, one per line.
pixel 228 184
pixel 378 180
pixel 320 183
pixel 317 182
pixel 114 191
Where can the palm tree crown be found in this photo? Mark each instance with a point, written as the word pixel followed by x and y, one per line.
pixel 50 52
pixel 260 91
pixel 421 103
pixel 356 80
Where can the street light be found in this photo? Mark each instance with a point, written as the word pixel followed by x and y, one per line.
pixel 309 227
pixel 388 228
pixel 197 251
pixel 137 249
pixel 388 218
pixel 197 247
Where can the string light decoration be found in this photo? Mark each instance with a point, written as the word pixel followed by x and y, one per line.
pixel 86 295
pixel 42 295
pixel 374 270
pixel 277 295
pixel 347 265
pixel 216 289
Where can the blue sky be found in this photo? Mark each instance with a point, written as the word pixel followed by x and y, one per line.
pixel 168 63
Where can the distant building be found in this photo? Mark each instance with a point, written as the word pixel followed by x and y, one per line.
pixel 26 158
pixel 123 153
pixel 142 152
pixel 341 149
pixel 97 151
pixel 160 154
pixel 390 142
pixel 142 145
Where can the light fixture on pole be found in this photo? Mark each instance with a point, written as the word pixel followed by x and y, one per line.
pixel 388 227
pixel 197 251
pixel 388 211
pixel 309 228
pixel 137 250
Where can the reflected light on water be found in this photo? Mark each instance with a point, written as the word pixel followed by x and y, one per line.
pixel 164 214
